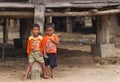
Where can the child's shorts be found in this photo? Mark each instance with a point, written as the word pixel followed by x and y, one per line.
pixel 35 56
pixel 51 60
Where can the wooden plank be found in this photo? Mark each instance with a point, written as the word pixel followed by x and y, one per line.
pixel 16 5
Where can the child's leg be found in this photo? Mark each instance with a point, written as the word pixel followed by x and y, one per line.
pixel 28 70
pixel 53 64
pixel 52 72
pixel 47 62
pixel 44 70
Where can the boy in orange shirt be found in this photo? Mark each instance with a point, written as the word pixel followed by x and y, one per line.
pixel 50 42
pixel 34 50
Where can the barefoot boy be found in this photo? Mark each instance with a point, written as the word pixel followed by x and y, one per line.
pixel 49 42
pixel 34 50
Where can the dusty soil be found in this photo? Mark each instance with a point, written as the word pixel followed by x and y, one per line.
pixel 74 68
pixel 75 63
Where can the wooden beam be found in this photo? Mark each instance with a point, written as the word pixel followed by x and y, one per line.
pixel 85 13
pixel 30 14
pixel 15 5
pixel 15 14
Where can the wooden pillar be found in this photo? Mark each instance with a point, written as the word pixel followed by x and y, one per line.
pixel 49 19
pixel 5 31
pixel 115 24
pixel 39 19
pixel 69 24
pixel 18 24
pixel 5 36
pixel 102 47
pixel 39 15
pixel 94 22
pixel 102 35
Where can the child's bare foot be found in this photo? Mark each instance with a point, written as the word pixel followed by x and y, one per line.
pixel 46 77
pixel 52 76
pixel 24 78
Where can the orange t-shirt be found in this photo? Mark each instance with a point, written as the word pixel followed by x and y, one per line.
pixel 34 44
pixel 50 47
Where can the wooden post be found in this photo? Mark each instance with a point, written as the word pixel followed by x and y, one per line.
pixel 69 24
pixel 5 36
pixel 39 13
pixel 102 47
pixel 5 31
pixel 115 24
pixel 103 29
pixel 39 19
pixel 49 19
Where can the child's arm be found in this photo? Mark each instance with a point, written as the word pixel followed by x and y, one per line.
pixel 44 54
pixel 55 42
pixel 28 47
pixel 41 54
pixel 43 48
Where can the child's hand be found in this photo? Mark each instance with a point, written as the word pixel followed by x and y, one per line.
pixel 41 55
pixel 51 40
pixel 45 56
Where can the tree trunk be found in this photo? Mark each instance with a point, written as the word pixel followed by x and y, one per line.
pixel 36 71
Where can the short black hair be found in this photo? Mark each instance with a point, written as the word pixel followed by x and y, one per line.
pixel 35 25
pixel 50 25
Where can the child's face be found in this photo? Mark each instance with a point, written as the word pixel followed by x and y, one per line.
pixel 49 31
pixel 35 31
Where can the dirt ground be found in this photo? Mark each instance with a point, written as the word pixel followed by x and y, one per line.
pixel 74 68
pixel 75 63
